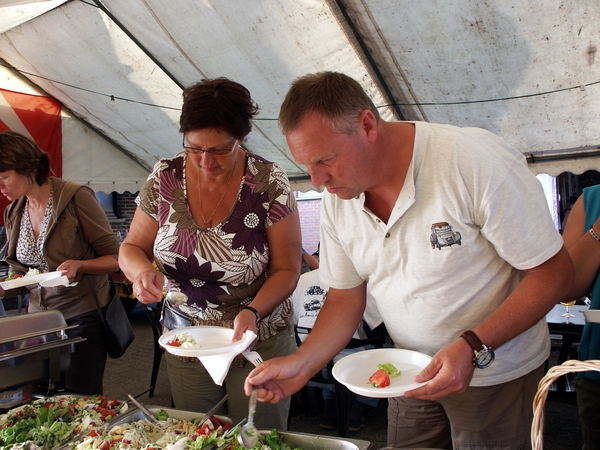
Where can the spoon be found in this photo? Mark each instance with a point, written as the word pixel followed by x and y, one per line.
pixel 176 298
pixel 248 436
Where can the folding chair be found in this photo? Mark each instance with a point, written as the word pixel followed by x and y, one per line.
pixel 375 338
pixel 154 318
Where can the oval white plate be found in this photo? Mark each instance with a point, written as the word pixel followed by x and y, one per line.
pixel 30 280
pixel 592 315
pixel 212 341
pixel 354 371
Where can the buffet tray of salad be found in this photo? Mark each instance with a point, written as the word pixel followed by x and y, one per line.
pixel 184 430
pixel 50 422
pixel 173 429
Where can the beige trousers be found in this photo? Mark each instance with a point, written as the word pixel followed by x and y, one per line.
pixel 492 418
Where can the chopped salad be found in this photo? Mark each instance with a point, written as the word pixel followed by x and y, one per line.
pixel 49 422
pixel 183 340
pixel 171 433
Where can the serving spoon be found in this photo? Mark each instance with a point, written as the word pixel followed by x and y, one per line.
pixel 176 298
pixel 248 435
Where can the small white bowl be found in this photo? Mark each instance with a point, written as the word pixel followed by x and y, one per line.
pixel 592 315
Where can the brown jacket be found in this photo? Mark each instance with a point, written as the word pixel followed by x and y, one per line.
pixel 62 243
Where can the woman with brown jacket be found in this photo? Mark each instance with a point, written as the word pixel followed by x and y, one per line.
pixel 43 224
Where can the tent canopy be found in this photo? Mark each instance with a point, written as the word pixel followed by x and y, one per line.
pixel 524 69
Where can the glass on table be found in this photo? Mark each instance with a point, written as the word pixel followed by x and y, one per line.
pixel 567 314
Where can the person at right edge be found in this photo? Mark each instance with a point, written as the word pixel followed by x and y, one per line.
pixel 582 239
pixel 453 234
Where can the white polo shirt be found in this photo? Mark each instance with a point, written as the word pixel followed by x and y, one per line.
pixel 469 217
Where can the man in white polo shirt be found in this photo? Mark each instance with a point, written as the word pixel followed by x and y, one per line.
pixel 453 234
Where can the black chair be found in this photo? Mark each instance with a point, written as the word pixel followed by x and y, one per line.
pixel 343 396
pixel 154 318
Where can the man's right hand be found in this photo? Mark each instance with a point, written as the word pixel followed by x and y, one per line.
pixel 277 378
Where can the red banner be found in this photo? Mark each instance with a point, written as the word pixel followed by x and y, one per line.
pixel 36 117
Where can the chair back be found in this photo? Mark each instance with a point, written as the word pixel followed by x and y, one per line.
pixel 375 339
pixel 154 313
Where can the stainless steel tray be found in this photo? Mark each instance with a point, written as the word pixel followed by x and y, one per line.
pixel 318 442
pixel 294 439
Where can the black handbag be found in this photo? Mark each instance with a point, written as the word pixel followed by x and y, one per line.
pixel 118 333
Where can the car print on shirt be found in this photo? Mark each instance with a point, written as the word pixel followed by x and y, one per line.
pixel 443 236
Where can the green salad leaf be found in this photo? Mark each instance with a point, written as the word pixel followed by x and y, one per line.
pixel 390 369
pixel 161 414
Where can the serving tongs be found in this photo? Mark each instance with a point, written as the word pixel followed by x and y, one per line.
pixel 143 409
pixel 213 410
pixel 225 436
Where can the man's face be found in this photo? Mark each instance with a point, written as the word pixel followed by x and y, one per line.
pixel 334 160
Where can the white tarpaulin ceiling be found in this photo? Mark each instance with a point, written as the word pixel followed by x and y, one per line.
pixel 524 69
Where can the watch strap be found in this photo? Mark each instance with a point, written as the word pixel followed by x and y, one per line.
pixel 473 341
pixel 250 308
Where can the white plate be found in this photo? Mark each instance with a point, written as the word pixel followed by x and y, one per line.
pixel 592 315
pixel 354 371
pixel 30 280
pixel 212 341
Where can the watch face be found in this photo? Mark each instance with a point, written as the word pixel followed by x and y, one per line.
pixel 484 358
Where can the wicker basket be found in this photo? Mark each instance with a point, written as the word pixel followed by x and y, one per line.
pixel 572 365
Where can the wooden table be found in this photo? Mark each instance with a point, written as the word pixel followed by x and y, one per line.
pixel 569 329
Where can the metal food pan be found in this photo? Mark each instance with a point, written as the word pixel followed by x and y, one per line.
pixel 293 439
pixel 318 442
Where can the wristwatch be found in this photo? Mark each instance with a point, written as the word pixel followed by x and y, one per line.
pixel 484 355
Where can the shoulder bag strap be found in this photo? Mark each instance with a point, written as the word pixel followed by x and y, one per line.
pixel 89 277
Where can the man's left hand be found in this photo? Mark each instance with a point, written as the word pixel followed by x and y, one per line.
pixel 449 372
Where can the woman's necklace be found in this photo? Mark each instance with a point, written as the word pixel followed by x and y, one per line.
pixel 208 223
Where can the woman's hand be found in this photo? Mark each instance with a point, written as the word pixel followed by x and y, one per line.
pixel 148 286
pixel 70 268
pixel 245 320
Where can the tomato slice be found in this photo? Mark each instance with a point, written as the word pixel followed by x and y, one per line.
pixel 215 422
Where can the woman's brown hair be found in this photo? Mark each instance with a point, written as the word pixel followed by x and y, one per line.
pixel 219 104
pixel 24 156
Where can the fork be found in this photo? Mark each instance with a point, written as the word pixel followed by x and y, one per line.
pixel 253 357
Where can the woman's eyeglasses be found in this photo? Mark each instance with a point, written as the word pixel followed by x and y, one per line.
pixel 214 151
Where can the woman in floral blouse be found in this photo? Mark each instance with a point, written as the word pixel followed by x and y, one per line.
pixel 223 228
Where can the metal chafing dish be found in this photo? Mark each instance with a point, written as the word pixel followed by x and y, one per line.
pixel 292 438
pixel 34 347
pixel 317 442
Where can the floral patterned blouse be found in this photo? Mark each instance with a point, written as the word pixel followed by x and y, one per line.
pixel 221 268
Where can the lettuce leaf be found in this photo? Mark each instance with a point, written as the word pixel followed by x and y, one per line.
pixel 390 369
